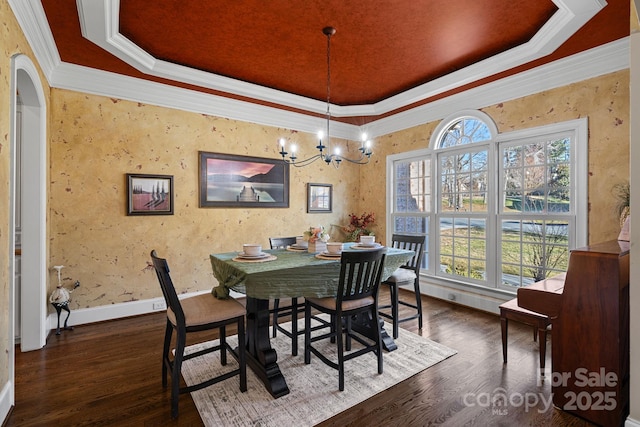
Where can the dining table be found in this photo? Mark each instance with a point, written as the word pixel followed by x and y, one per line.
pixel 284 273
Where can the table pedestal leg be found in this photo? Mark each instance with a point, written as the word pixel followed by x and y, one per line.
pixel 388 343
pixel 260 356
pixel 360 325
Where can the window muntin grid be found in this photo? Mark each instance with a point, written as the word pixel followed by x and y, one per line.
pixel 541 180
pixel 412 200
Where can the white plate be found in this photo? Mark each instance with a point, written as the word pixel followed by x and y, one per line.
pixel 325 253
pixel 246 256
pixel 296 248
pixel 365 246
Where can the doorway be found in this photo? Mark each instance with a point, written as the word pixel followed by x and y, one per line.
pixel 32 198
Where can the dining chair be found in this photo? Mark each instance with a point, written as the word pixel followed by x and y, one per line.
pixel 357 295
pixel 291 310
pixel 193 314
pixel 405 275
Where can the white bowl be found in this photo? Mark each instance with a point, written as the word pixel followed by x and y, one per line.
pixel 252 249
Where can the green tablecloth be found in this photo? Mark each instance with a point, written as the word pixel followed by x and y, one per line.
pixel 293 274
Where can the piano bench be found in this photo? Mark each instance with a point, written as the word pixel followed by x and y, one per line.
pixel 511 311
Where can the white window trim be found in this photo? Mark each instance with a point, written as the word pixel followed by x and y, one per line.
pixel 443 126
pixel 391 159
pixel 480 296
pixel 579 152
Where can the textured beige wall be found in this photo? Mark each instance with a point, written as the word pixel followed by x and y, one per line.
pixel 95 141
pixel 603 100
pixel 12 42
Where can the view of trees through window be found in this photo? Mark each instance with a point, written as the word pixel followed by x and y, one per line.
pixel 500 212
pixel 412 201
pixel 535 210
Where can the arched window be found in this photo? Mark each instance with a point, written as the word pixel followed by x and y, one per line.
pixel 498 210
pixel 472 126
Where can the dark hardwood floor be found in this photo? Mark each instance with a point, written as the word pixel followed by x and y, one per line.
pixel 109 374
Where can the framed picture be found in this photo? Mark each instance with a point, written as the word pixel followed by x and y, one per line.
pixel 319 198
pixel 149 194
pixel 232 181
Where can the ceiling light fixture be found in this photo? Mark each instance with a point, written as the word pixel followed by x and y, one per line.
pixel 325 152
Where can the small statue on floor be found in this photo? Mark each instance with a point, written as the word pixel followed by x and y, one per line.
pixel 60 298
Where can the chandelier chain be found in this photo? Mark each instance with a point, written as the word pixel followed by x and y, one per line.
pixel 329 156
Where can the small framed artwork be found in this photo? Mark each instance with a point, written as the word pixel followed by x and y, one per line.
pixel 319 198
pixel 231 181
pixel 149 194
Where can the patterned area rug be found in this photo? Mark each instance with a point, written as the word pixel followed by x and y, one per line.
pixel 314 395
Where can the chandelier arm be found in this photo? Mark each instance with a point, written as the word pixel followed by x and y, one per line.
pixel 361 161
pixel 302 163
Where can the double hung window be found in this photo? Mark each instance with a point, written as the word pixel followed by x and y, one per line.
pixel 497 210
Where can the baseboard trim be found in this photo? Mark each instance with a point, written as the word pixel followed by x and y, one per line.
pixel 467 298
pixel 6 400
pixel 113 311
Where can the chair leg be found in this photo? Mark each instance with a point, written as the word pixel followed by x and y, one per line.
pixel 416 288
pixel 393 289
pixel 276 305
pixel 376 327
pixel 333 329
pixel 223 345
pixel 175 373
pixel 307 333
pixel 338 328
pixel 294 326
pixel 166 348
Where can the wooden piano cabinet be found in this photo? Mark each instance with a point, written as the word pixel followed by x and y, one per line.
pixel 590 333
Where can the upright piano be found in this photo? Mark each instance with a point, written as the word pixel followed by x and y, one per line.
pixel 589 314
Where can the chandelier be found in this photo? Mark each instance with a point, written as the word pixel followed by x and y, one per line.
pixel 330 155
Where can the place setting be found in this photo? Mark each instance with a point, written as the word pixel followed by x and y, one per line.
pixel 301 245
pixel 252 252
pixel 367 243
pixel 333 252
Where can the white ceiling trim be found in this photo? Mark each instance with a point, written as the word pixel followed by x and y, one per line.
pixel 592 63
pixel 595 62
pixel 32 19
pixel 30 15
pixel 100 24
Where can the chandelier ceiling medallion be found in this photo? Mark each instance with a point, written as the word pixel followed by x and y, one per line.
pixel 331 156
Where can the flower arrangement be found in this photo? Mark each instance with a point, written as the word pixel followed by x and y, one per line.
pixel 359 225
pixel 315 234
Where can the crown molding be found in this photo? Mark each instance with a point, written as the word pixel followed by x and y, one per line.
pixel 598 61
pixel 33 21
pixel 89 80
pixel 571 15
pixel 595 62
pixel 100 24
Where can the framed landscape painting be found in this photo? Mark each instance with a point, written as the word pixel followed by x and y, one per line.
pixel 319 198
pixel 232 181
pixel 149 194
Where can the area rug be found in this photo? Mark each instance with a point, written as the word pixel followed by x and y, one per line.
pixel 314 395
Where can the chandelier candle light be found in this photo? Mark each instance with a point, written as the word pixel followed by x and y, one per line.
pixel 325 152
